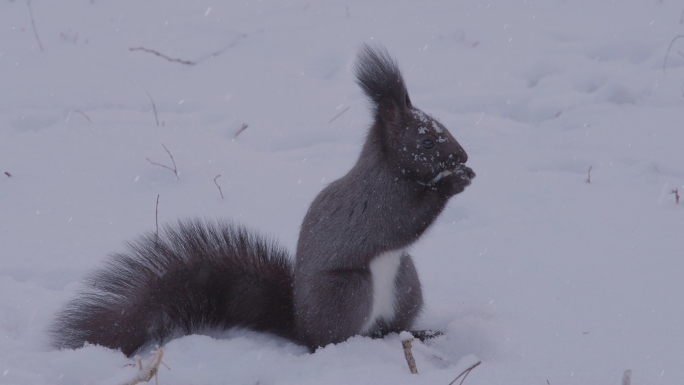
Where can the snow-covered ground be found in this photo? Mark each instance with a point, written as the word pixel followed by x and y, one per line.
pixel 544 277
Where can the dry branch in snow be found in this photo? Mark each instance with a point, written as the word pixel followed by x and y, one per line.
pixel 33 24
pixel 156 221
pixel 668 51
pixel 406 339
pixel 151 368
pixel 466 372
pixel 154 107
pixel 181 61
pixel 191 62
pixel 589 175
pixel 242 128
pixel 84 115
pixel 174 169
pixel 676 193
pixel 222 50
pixel 217 185
pixel 338 115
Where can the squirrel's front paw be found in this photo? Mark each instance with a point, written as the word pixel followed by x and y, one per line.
pixel 460 178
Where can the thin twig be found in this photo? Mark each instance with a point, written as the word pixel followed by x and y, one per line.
pixel 668 51
pixel 181 61
pixel 589 175
pixel 154 107
pixel 406 344
pixel 242 128
pixel 174 169
pixel 156 222
pixel 151 367
pixel 84 115
pixel 222 50
pixel 217 185
pixel 33 24
pixel 676 193
pixel 8 174
pixel 338 115
pixel 191 62
pixel 466 372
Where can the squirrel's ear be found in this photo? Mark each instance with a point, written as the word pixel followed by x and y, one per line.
pixel 380 79
pixel 389 113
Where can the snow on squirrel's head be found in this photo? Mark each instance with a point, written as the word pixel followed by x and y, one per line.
pixel 422 148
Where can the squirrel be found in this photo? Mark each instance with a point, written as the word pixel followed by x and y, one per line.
pixel 352 274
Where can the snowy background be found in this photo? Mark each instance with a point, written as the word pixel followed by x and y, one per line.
pixel 544 277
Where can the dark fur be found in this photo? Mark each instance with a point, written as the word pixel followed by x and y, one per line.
pixel 197 275
pixel 200 275
pixel 385 203
pixel 378 75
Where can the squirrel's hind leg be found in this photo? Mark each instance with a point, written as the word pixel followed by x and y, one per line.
pixel 409 298
pixel 410 301
pixel 332 306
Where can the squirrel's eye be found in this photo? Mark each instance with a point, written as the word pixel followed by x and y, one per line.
pixel 428 143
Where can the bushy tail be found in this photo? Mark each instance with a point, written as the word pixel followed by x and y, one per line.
pixel 195 275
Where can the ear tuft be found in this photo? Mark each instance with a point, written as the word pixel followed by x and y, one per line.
pixel 378 75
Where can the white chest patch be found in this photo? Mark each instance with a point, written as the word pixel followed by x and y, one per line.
pixel 384 270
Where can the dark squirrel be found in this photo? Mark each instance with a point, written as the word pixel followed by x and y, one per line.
pixel 352 274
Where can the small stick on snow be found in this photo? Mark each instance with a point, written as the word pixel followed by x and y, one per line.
pixel 181 61
pixel 338 115
pixel 222 50
pixel 217 185
pixel 154 107
pixel 589 175
pixel 33 24
pixel 627 377
pixel 8 174
pixel 676 193
pixel 84 115
pixel 668 51
pixel 193 62
pixel 466 372
pixel 151 368
pixel 156 222
pixel 174 169
pixel 406 339
pixel 242 128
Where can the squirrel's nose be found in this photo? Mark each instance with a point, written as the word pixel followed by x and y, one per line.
pixel 461 156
